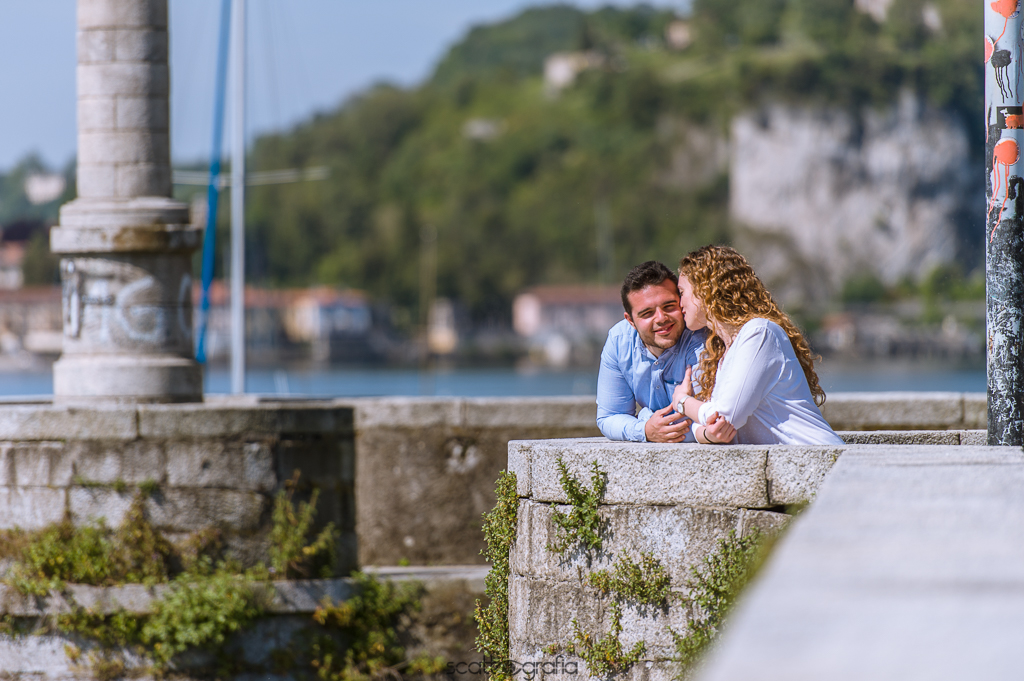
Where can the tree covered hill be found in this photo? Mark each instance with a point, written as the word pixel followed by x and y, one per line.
pixel 482 181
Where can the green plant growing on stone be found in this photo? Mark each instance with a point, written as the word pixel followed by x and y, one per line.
pixel 713 588
pixel 292 554
pixel 93 554
pixel 368 620
pixel 499 528
pixel 603 656
pixel 582 524
pixel 646 582
pixel 202 611
pixel 62 553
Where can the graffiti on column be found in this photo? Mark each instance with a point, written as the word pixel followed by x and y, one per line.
pixel 1004 115
pixel 1004 234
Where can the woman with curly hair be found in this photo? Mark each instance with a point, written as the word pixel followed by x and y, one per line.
pixel 757 371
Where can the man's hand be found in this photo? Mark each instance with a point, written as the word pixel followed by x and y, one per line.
pixel 665 425
pixel 684 389
pixel 719 430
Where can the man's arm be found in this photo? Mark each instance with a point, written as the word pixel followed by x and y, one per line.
pixel 616 404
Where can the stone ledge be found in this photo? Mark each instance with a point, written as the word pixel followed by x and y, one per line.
pixel 291 597
pixel 479 412
pixel 646 473
pixel 300 596
pixel 43 420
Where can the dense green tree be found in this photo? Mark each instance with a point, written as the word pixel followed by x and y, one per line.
pixel 480 182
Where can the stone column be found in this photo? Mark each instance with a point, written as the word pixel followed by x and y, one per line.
pixel 125 244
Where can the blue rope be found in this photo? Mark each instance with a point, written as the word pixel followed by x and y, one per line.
pixel 213 191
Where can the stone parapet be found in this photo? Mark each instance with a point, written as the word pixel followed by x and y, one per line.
pixel 675 502
pixel 215 465
pixel 427 466
pixel 442 626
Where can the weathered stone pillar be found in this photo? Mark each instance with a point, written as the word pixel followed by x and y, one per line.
pixel 126 266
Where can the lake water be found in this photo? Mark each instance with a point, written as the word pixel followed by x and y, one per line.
pixel 359 382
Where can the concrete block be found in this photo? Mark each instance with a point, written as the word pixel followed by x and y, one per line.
pixel 142 112
pixel 96 113
pixel 530 412
pixel 312 417
pixel 795 473
pixel 141 179
pixel 642 473
pixel 92 504
pixel 975 410
pixel 123 146
pixel 38 656
pixel 258 467
pixel 227 464
pixel 118 13
pixel 34 463
pixel 49 422
pixel 91 461
pixel 319 460
pixel 30 508
pixel 678 536
pixel 405 412
pixel 900 437
pixel 96 180
pixel 95 46
pixel 187 510
pixel 227 420
pixel 204 463
pixel 541 611
pixel 519 463
pixel 143 460
pixel 895 410
pixel 141 44
pixel 188 421
pixel 974 438
pixel 120 79
pixel 305 595
pixel 767 522
pixel 7 463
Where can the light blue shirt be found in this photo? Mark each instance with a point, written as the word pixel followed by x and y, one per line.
pixel 631 376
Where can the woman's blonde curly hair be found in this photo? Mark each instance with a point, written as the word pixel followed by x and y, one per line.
pixel 731 294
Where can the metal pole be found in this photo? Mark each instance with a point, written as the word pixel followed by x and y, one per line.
pixel 238 199
pixel 1004 233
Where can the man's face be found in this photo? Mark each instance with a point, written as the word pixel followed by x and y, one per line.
pixel 656 316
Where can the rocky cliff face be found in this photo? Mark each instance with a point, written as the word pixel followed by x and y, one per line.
pixel 820 196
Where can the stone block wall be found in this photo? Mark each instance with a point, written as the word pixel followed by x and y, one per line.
pixel 426 466
pixel 426 469
pixel 673 501
pixel 217 464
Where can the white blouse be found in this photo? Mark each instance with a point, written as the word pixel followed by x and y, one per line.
pixel 762 391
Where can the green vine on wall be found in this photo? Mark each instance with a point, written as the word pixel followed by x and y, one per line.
pixel 605 655
pixel 713 588
pixel 646 582
pixel 582 524
pixel 492 619
pixel 369 621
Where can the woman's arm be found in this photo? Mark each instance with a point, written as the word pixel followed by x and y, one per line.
pixel 750 371
pixel 716 430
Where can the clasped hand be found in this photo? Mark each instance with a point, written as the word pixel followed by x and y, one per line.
pixel 717 430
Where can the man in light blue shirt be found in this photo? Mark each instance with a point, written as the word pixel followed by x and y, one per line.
pixel 644 358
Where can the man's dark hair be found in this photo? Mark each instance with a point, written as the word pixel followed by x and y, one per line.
pixel 650 273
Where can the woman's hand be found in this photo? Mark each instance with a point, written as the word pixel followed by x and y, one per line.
pixel 718 431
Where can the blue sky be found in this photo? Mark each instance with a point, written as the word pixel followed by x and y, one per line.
pixel 305 56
